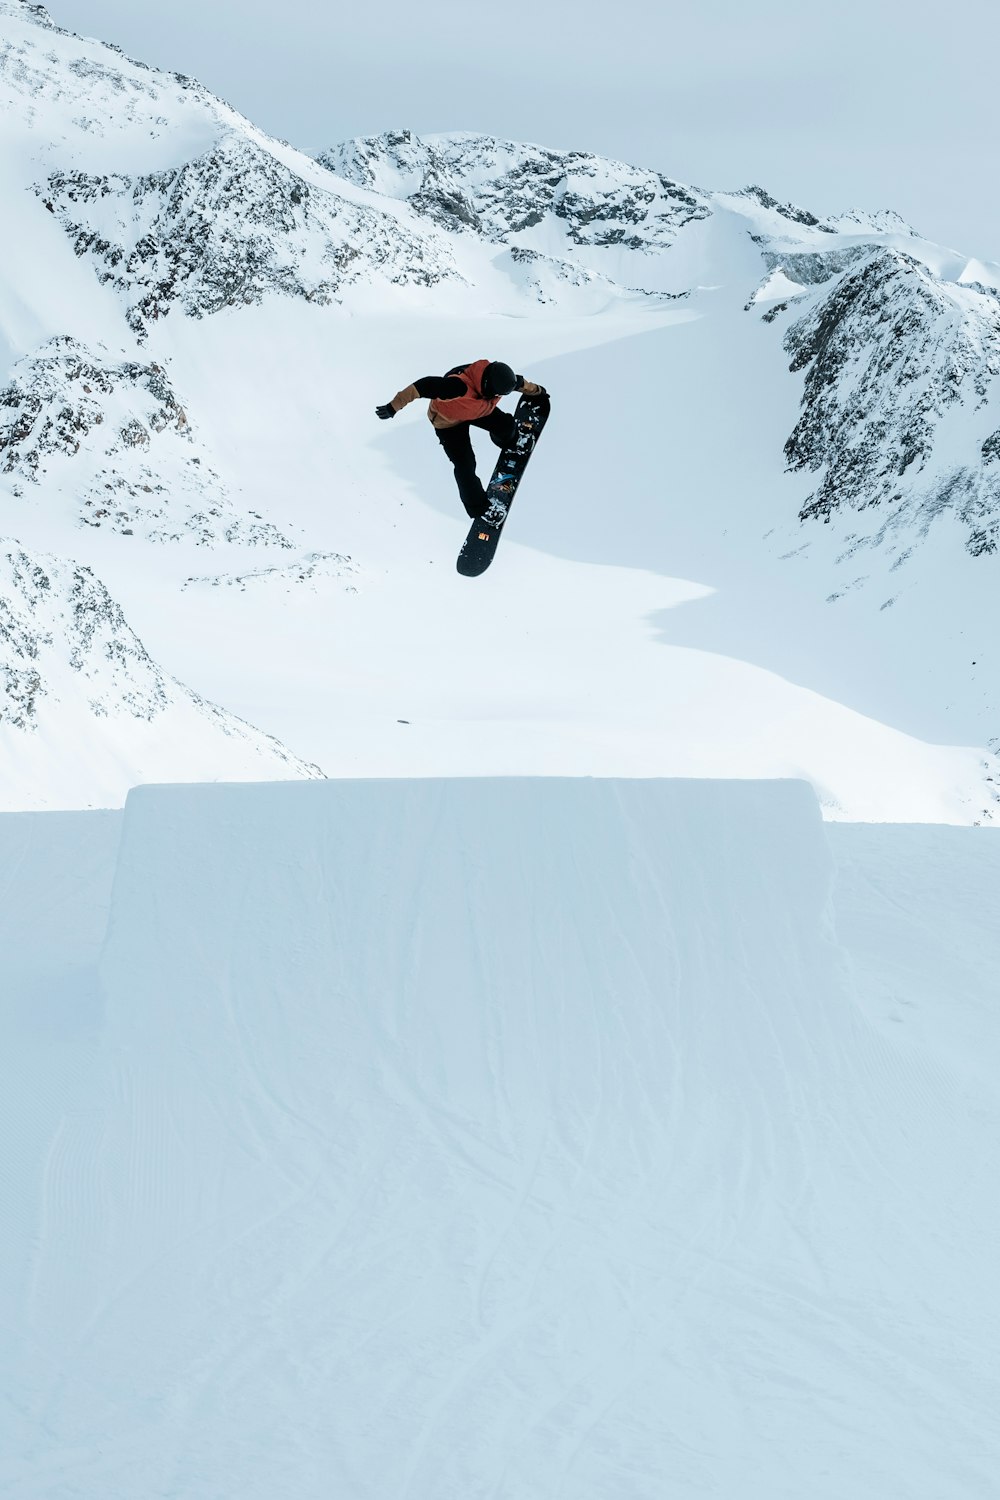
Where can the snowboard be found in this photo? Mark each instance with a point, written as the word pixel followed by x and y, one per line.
pixel 481 543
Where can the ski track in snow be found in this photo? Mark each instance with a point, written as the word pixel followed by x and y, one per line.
pixel 500 1138
pixel 487 1139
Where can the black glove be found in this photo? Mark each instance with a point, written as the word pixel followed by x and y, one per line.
pixel 385 412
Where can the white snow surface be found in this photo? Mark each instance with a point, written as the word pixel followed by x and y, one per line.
pixel 656 608
pixel 490 1139
pixel 478 1129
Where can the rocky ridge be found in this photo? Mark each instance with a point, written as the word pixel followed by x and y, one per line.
pixel 503 189
pixel 46 71
pixel 138 467
pixel 886 341
pixel 65 642
pixel 889 353
pixel 237 223
pixel 27 10
pixel 896 354
pixel 228 229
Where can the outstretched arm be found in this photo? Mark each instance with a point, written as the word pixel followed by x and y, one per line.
pixel 427 388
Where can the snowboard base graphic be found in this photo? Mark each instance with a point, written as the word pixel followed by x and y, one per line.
pixel 481 543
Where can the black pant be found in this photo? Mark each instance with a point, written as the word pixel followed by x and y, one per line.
pixel 458 445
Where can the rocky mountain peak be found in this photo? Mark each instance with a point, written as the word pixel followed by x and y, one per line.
pixel 27 10
pixel 887 354
pixel 138 466
pixel 69 657
pixel 788 211
pixel 506 189
pixel 229 228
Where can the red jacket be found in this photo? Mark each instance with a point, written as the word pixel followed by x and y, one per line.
pixel 465 408
pixel 450 411
pixel 455 409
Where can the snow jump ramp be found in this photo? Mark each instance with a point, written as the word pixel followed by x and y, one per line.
pixel 500 1140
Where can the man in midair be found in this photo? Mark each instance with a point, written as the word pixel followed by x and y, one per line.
pixel 468 396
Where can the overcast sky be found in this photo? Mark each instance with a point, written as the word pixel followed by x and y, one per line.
pixel 884 104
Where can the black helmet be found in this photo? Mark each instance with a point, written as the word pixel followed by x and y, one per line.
pixel 498 379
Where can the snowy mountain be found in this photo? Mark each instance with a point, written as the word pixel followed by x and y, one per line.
pixel 320 1179
pixel 888 353
pixel 888 341
pixel 196 321
pixel 502 190
pixel 70 661
pixel 229 228
pixel 122 424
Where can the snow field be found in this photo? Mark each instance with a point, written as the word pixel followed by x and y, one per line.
pixel 551 664
pixel 725 639
pixel 500 1138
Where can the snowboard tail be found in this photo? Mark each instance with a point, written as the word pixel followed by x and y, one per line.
pixel 483 539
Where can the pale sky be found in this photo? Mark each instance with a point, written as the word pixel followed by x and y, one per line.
pixel 882 104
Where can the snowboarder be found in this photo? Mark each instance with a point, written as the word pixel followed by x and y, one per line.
pixel 467 396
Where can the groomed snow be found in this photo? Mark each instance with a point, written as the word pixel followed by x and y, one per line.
pixel 497 1138
pixel 486 1132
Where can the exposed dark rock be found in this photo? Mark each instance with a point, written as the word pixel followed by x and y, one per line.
pixel 786 210
pixel 27 11
pixel 500 189
pixel 229 228
pixel 65 641
pixel 55 611
pixel 813 267
pixel 885 355
pixel 138 467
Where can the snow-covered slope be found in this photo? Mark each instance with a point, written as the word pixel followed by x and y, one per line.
pixel 136 468
pixel 895 334
pixel 891 356
pixel 230 227
pixel 662 1184
pixel 196 321
pixel 69 662
pixel 580 207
